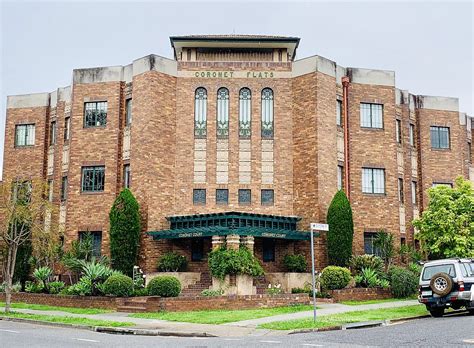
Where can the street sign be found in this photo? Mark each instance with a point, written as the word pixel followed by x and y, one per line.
pixel 319 227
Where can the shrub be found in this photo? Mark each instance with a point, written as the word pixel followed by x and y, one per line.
pixel 212 293
pixel 359 262
pixel 140 292
pixel 42 275
pixel 55 287
pixel 164 286
pixel 295 263
pixel 335 277
pixel 224 261
pixel 404 283
pixel 415 269
pixel 384 243
pixel 95 273
pixel 301 291
pixel 33 287
pixel 341 230
pixel 118 285
pixel 82 288
pixel 172 262
pixel 124 232
pixel 368 278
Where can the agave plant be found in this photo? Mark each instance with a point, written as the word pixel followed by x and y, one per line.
pixel 368 278
pixel 42 275
pixel 95 273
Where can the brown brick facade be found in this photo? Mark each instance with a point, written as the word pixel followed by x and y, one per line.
pixel 305 145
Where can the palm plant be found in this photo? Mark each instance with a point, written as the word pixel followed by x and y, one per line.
pixel 385 245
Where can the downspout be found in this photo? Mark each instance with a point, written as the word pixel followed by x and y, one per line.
pixel 345 97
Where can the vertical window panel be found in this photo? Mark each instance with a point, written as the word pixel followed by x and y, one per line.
pixel 267 113
pixel 63 188
pixel 401 198
pixel 412 134
pixel 413 193
pixel 200 113
pixel 245 113
pixel 67 128
pixel 52 133
pixel 128 110
pixel 398 130
pixel 223 113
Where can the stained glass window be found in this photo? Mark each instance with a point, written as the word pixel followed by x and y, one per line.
pixel 222 196
pixel 93 179
pixel 200 113
pixel 245 196
pixel 267 197
pixel 245 112
pixel 199 196
pixel 267 113
pixel 95 114
pixel 223 113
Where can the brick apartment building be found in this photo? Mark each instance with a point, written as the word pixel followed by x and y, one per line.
pixel 235 140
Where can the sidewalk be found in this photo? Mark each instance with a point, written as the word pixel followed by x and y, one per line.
pixel 236 329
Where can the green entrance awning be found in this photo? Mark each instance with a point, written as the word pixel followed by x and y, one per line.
pixel 223 224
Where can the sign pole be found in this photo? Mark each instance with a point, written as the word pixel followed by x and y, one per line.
pixel 313 275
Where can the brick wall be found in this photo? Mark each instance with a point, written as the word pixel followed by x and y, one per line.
pixel 360 294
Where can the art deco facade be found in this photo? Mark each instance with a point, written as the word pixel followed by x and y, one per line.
pixel 234 138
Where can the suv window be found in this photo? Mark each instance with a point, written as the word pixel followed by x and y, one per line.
pixel 430 271
pixel 467 269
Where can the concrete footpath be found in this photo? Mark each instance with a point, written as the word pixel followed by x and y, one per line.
pixel 235 329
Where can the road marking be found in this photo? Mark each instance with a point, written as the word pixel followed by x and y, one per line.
pixel 270 341
pixel 12 331
pixel 232 339
pixel 471 341
pixel 312 345
pixel 85 340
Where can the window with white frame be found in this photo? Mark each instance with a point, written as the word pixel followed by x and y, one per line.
pixel 128 112
pixel 200 113
pixel 371 115
pixel 245 113
pixel 223 113
pixel 401 197
pixel 24 135
pixel 373 180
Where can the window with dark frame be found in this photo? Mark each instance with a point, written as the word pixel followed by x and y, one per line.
pixel 200 113
pixel 245 196
pixel 245 113
pixel 128 112
pixel 413 193
pixel 199 196
pixel 24 135
pixel 95 114
pixel 339 112
pixel 222 196
pixel 63 188
pixel 67 128
pixel 52 133
pixel 401 197
pixel 435 184
pixel 469 152
pixel 412 134
pixel 373 180
pixel 398 126
pixel 96 241
pixel 371 115
pixel 126 176
pixel 340 175
pixel 197 249
pixel 93 179
pixel 439 137
pixel 369 247
pixel 267 113
pixel 222 122
pixel 268 249
pixel 267 197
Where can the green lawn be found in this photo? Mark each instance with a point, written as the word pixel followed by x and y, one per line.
pixel 221 316
pixel 346 318
pixel 21 305
pixel 66 320
pixel 357 303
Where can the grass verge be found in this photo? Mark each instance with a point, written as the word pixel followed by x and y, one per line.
pixel 347 318
pixel 221 316
pixel 39 307
pixel 66 320
pixel 358 303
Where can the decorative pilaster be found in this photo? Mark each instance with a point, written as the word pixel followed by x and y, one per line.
pixel 233 241
pixel 249 242
pixel 217 242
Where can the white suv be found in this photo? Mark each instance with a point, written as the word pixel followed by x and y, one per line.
pixel 447 283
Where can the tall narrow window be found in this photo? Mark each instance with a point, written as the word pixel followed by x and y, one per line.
pixel 369 245
pixel 400 190
pixel 24 135
pixel 95 114
pixel 50 190
pixel 200 113
pixel 52 133
pixel 126 175
pixel 413 193
pixel 67 128
pixel 128 110
pixel 412 134
pixel 371 115
pixel 373 180
pixel 64 188
pixel 93 179
pixel 339 177
pixel 223 113
pixel 439 137
pixel 267 113
pixel 339 112
pixel 245 113
pixel 268 249
pixel 398 126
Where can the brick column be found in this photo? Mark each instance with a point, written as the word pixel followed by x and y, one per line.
pixel 233 241
pixel 217 241
pixel 249 242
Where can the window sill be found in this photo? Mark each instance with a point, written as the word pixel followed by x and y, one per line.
pixel 92 193
pixel 375 195
pixel 372 129
pixel 94 127
pixel 23 146
pixel 440 149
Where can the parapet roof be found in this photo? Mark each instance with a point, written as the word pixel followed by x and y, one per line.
pixel 235 41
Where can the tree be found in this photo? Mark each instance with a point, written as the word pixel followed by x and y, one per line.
pixel 124 232
pixel 446 227
pixel 23 206
pixel 385 245
pixel 341 230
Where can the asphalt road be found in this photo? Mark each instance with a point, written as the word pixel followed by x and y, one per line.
pixel 452 331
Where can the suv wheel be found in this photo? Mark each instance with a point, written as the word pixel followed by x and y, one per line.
pixel 437 312
pixel 441 284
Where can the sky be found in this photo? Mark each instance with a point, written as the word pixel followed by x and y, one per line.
pixel 428 44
